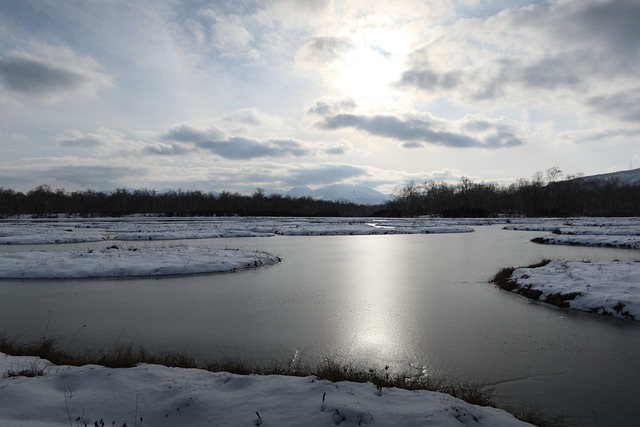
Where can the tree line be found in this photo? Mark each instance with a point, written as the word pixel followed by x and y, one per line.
pixel 544 194
pixel 43 201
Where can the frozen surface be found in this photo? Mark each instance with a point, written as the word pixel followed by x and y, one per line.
pixel 153 395
pixel 75 230
pixel 129 262
pixel 608 288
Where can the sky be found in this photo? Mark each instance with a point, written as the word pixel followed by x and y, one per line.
pixel 272 94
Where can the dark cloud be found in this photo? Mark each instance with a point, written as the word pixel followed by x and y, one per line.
pixel 329 106
pixel 235 148
pixel 186 133
pixel 33 77
pixel 610 26
pixel 549 73
pixel 417 132
pixel 323 174
pixel 248 148
pixel 566 46
pixel 336 149
pixel 624 106
pixel 421 74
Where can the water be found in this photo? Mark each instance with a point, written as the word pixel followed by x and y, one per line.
pixel 410 301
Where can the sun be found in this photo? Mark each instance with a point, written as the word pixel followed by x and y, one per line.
pixel 371 65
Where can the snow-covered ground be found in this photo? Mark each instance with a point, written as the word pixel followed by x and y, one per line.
pixel 609 241
pixel 607 288
pixel 128 262
pixel 605 232
pixel 74 230
pixel 153 395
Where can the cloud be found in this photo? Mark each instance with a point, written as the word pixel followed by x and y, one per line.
pixel 80 141
pixel 335 149
pixel 597 135
pixel 623 105
pixel 331 105
pixel 235 148
pixel 229 34
pixel 163 149
pixel 577 49
pixel 189 133
pixel 323 50
pixel 103 141
pixel 417 131
pixel 247 116
pixel 423 75
pixel 238 148
pixel 51 73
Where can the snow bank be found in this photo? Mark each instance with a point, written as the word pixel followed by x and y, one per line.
pixel 604 240
pixel 128 262
pixel 606 232
pixel 76 230
pixel 607 288
pixel 153 395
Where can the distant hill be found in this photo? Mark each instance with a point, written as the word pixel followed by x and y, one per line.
pixel 623 178
pixel 341 192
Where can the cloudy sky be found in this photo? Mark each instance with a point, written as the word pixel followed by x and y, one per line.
pixel 235 95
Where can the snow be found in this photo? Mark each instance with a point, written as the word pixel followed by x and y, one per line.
pixel 604 232
pixel 153 395
pixel 621 178
pixel 76 230
pixel 625 242
pixel 609 288
pixel 128 262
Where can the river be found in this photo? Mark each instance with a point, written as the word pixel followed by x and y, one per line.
pixel 415 302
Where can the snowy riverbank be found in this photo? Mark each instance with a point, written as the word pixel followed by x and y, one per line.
pixel 76 230
pixel 153 395
pixel 621 233
pixel 605 288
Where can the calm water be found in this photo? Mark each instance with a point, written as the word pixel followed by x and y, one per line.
pixel 412 301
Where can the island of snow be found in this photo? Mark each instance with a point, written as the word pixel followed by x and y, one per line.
pixel 115 262
pixel 605 288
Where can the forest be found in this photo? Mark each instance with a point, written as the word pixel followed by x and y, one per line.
pixel 544 194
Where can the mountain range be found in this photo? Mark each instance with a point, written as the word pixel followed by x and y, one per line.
pixel 341 192
pixel 622 178
pixel 368 196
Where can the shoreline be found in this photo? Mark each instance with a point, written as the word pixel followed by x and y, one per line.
pixel 43 359
pixel 609 289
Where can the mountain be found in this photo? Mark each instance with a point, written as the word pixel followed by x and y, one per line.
pixel 629 177
pixel 300 191
pixel 341 192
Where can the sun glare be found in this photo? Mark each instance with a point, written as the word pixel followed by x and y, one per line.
pixel 373 63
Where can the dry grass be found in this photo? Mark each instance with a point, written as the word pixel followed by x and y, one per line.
pixel 125 356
